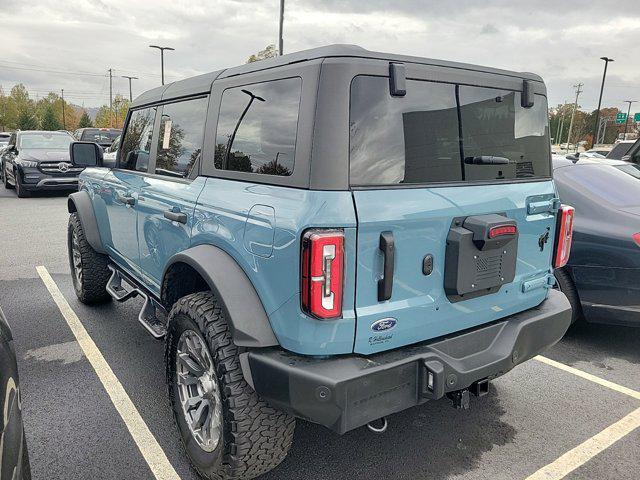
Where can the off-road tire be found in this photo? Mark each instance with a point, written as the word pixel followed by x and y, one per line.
pixel 565 285
pixel 95 270
pixel 5 180
pixel 255 437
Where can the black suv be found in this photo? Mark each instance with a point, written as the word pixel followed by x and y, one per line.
pixel 38 160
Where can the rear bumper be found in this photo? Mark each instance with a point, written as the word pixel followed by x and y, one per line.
pixel 346 392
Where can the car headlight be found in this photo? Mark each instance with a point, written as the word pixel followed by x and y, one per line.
pixel 27 163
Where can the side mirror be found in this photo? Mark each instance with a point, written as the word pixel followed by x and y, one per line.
pixel 85 154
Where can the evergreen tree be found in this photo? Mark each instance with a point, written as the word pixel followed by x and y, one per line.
pixel 27 120
pixel 50 120
pixel 85 120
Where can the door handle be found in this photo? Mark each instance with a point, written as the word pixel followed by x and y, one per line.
pixel 175 216
pixel 385 284
pixel 126 199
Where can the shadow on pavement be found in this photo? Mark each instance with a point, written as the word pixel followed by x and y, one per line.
pixel 429 441
pixel 595 343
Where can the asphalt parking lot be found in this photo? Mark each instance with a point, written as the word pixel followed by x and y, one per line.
pixel 542 420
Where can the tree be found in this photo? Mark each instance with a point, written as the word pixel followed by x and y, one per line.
pixel 104 117
pixel 269 52
pixel 50 120
pixel 27 120
pixel 85 120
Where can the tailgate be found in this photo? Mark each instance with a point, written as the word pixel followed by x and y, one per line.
pixel 419 221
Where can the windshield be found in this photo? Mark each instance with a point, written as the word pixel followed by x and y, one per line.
pixel 444 133
pixel 45 140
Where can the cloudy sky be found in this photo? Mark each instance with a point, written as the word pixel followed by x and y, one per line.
pixel 70 44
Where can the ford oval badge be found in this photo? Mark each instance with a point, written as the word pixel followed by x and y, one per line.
pixel 383 324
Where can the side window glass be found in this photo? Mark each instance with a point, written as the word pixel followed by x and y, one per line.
pixel 180 138
pixel 136 146
pixel 257 127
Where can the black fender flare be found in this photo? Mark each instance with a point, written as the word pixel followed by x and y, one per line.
pixel 80 203
pixel 248 320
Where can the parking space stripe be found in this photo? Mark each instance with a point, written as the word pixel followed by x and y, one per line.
pixel 592 378
pixel 584 452
pixel 144 439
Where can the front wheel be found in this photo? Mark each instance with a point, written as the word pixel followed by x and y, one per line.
pixel 228 432
pixel 20 190
pixel 89 269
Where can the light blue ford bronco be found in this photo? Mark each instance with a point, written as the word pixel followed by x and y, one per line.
pixel 334 235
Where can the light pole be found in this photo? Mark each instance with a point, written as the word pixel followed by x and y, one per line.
pixel 626 123
pixel 130 91
pixel 280 38
pixel 162 49
pixel 604 75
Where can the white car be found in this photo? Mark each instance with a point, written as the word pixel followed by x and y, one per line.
pixel 111 152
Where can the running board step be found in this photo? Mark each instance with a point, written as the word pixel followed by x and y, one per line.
pixel 148 315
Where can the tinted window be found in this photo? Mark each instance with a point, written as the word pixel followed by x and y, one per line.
pixel 257 127
pixel 434 132
pixel 611 184
pixel 180 137
pixel 620 150
pixel 136 146
pixel 97 136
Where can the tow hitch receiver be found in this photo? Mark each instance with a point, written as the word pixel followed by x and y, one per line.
pixel 480 388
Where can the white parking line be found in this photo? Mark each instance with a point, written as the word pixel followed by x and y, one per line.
pixel 592 378
pixel 591 447
pixel 584 452
pixel 146 442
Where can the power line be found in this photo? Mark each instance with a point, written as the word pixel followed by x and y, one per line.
pixel 578 88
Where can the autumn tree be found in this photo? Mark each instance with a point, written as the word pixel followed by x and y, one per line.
pixel 269 52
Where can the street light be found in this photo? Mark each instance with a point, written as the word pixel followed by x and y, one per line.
pixel 162 49
pixel 130 91
pixel 626 122
pixel 604 75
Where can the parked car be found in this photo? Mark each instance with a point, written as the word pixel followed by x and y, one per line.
pixel 620 149
pixel 14 457
pixel 633 154
pixel 4 139
pixel 102 136
pixel 38 160
pixel 602 278
pixel 244 236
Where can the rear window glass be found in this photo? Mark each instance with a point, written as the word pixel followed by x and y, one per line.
pixel 620 150
pixel 444 133
pixel 257 127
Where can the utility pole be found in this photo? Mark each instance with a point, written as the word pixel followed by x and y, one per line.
pixel 111 97
pixel 280 37
pixel 561 124
pixel 162 49
pixel 130 92
pixel 626 123
pixel 604 75
pixel 64 122
pixel 578 88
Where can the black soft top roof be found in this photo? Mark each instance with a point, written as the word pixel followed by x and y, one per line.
pixel 202 83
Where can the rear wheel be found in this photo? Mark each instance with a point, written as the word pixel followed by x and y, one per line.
pixel 89 269
pixel 565 285
pixel 228 432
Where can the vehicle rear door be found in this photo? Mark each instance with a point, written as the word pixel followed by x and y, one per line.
pixel 455 206
pixel 168 197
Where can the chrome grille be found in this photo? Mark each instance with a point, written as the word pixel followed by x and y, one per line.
pixel 59 168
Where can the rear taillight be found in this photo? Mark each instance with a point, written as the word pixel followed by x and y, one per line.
pixel 563 236
pixel 636 238
pixel 322 273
